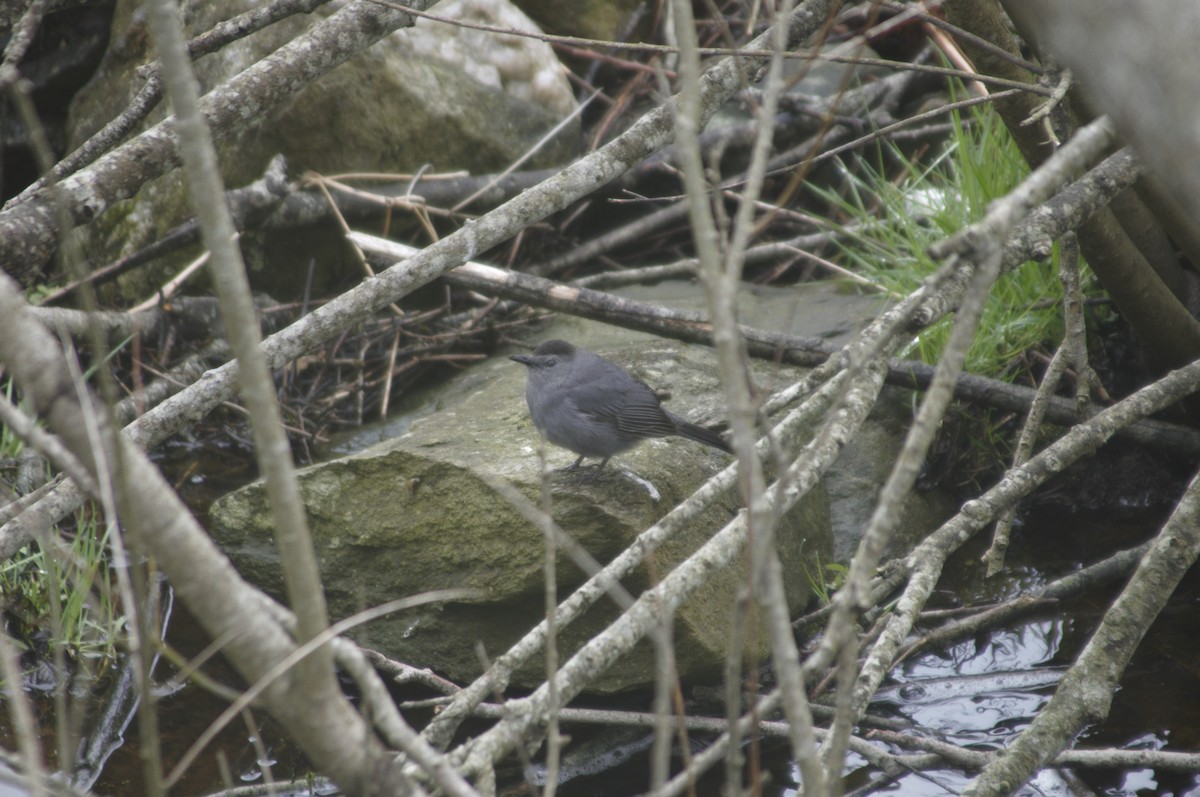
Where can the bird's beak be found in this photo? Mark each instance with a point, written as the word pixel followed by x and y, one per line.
pixel 523 359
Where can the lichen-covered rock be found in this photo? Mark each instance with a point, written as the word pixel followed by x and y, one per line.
pixel 422 512
pixel 434 96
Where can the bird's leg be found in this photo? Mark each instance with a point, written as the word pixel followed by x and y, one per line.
pixel 595 474
pixel 578 462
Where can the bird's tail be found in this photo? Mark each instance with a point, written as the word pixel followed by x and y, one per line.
pixel 700 434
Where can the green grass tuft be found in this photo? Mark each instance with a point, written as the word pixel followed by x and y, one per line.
pixel 62 594
pixel 893 208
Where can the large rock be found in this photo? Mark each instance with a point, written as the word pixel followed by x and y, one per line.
pixel 433 96
pixel 421 513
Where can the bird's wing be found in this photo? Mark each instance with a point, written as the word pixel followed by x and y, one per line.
pixel 629 404
pixel 645 419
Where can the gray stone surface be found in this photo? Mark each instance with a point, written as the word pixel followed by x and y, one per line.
pixel 434 96
pixel 419 513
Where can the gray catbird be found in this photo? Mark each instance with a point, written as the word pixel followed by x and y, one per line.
pixel 583 402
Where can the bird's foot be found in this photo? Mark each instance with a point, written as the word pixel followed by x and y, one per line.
pixel 592 472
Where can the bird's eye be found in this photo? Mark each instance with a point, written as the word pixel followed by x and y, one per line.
pixel 551 362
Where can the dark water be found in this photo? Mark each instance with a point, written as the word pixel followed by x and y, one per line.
pixel 978 693
pixel 982 692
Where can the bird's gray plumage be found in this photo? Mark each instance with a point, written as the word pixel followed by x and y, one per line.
pixel 584 403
